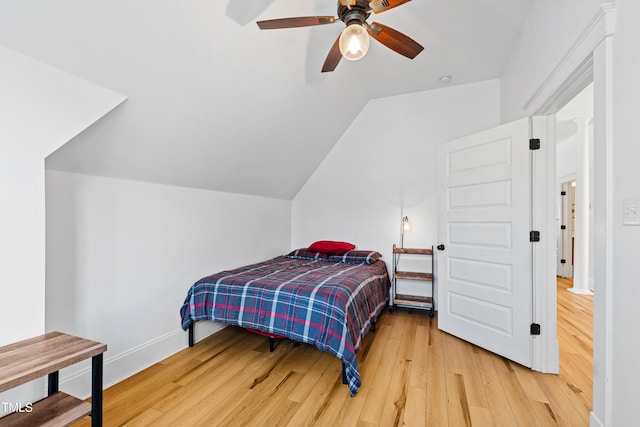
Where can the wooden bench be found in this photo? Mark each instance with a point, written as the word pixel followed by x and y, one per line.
pixel 30 359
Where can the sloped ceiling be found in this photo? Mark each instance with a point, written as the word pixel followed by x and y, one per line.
pixel 215 103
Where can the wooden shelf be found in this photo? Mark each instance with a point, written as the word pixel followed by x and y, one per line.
pixel 36 357
pixel 415 251
pixel 413 301
pixel 413 275
pixel 59 409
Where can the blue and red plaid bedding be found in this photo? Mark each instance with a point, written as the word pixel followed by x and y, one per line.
pixel 328 304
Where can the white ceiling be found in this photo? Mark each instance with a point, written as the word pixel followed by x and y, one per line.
pixel 213 102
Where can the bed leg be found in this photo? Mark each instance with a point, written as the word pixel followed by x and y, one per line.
pixel 271 345
pixel 344 375
pixel 373 325
pixel 191 327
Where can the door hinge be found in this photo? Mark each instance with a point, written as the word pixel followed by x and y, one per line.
pixel 535 329
pixel 563 261
pixel 563 193
pixel 534 144
pixel 534 236
pixel 563 227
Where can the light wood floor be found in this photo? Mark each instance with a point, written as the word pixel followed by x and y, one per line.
pixel 412 374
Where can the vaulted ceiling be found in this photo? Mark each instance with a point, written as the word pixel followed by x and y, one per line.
pixel 215 103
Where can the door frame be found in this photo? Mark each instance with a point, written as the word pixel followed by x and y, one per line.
pixel 589 58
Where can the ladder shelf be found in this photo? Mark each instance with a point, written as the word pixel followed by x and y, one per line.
pixel 411 301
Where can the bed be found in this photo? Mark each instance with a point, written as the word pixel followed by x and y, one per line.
pixel 328 300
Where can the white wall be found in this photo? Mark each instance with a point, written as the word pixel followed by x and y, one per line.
pixel 384 166
pixel 566 157
pixel 121 256
pixel 41 108
pixel 626 239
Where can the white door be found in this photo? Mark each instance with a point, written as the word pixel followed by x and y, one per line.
pixel 484 273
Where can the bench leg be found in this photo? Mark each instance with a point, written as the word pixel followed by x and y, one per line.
pixel 53 386
pixel 96 391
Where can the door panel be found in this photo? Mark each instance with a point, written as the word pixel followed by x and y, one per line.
pixel 484 274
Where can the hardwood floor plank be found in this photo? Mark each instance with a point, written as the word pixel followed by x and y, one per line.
pixel 450 348
pixel 282 414
pixel 332 406
pixel 561 404
pixel 370 359
pixel 320 363
pixel 315 403
pixel 481 417
pixel 379 388
pixel 457 401
pixel 396 401
pixel 144 419
pixel 545 414
pixel 414 414
pixel 420 358
pixel 408 336
pixel 474 384
pixel 517 398
pixel 352 408
pixel 527 379
pixel 499 407
pixel 436 411
pixel 144 401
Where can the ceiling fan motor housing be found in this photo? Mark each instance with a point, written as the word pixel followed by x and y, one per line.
pixel 355 14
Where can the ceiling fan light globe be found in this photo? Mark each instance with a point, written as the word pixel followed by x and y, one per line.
pixel 354 42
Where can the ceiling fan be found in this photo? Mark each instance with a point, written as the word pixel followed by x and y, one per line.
pixel 353 42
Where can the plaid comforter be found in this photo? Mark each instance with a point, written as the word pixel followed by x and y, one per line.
pixel 328 304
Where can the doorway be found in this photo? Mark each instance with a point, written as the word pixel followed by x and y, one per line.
pixel 575 232
pixel 565 226
pixel 574 175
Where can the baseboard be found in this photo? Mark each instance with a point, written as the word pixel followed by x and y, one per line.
pixel 594 421
pixel 127 363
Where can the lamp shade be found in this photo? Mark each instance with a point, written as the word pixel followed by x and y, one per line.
pixel 354 42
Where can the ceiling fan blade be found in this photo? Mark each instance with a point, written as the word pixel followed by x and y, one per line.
pixel 304 21
pixel 347 2
pixel 333 58
pixel 379 6
pixel 395 40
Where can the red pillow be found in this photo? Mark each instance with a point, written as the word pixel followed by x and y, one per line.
pixel 331 247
